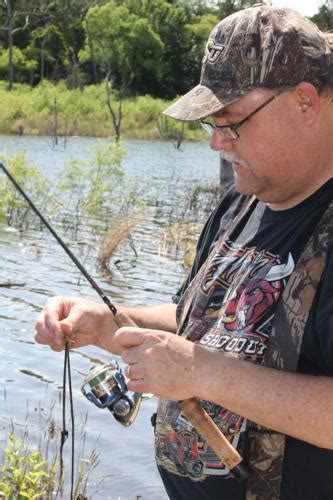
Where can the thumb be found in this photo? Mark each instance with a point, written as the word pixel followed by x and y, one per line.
pixel 71 324
pixel 129 336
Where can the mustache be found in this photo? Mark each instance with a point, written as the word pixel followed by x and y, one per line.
pixel 231 157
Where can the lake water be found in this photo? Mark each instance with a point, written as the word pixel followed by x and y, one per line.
pixel 31 375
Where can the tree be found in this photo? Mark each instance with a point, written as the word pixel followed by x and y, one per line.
pixel 227 7
pixel 324 18
pixel 66 17
pixel 56 23
pixel 169 20
pixel 24 65
pixel 199 31
pixel 11 9
pixel 123 43
pixel 49 48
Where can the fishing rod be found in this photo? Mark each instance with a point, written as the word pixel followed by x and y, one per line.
pixel 120 404
pixel 60 241
pixel 107 384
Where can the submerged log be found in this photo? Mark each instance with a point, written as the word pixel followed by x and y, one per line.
pixel 9 284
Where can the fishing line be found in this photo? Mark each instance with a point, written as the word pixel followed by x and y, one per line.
pixel 67 369
pixel 64 432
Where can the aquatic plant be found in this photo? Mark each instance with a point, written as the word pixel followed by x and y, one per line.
pixel 14 208
pixel 30 466
pixel 25 474
pixel 97 190
pixel 185 221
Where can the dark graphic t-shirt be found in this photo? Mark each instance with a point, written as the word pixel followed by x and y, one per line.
pixel 232 311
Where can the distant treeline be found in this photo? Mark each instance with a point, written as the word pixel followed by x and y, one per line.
pixel 141 46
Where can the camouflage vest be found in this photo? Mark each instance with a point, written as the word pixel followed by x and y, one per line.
pixel 266 447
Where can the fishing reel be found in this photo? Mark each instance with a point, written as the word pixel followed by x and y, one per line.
pixel 108 390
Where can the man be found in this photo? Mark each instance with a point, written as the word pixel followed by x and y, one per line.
pixel 254 319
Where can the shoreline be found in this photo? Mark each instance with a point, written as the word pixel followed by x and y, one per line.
pixel 55 111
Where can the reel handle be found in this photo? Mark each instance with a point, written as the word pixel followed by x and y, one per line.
pixel 215 438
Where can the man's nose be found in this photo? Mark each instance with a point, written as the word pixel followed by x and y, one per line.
pixel 219 141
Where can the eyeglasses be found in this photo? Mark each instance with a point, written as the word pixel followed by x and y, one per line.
pixel 231 131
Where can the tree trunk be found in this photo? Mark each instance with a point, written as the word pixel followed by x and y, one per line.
pixel 92 56
pixel 42 59
pixel 226 172
pixel 116 120
pixel 10 45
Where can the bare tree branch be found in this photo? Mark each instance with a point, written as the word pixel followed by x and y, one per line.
pixel 115 120
pixel 22 27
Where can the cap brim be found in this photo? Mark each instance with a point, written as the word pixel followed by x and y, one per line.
pixel 196 104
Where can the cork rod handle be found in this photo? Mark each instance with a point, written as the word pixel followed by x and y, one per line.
pixel 215 438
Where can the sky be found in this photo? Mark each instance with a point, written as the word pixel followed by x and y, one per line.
pixel 305 7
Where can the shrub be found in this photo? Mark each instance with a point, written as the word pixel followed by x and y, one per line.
pixel 25 474
pixel 14 209
pixel 83 112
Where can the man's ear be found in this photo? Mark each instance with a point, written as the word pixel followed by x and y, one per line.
pixel 307 100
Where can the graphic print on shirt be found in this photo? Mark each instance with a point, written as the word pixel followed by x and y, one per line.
pixel 232 311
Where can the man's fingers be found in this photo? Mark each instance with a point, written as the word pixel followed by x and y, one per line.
pixel 48 339
pixel 57 321
pixel 48 330
pixel 72 323
pixel 129 336
pixel 43 334
pixel 139 385
pixel 54 312
pixel 134 372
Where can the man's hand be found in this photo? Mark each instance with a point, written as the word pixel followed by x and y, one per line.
pixel 159 362
pixel 78 320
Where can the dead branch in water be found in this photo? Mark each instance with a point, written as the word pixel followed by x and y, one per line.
pixel 9 284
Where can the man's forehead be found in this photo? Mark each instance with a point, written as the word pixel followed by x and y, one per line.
pixel 243 102
pixel 234 108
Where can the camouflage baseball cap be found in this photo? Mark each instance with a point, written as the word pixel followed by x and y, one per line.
pixel 261 46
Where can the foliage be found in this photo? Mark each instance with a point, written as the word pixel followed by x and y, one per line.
pixel 91 184
pixel 80 112
pixel 150 46
pixel 97 190
pixel 324 18
pixel 23 65
pixel 203 25
pixel 121 41
pixel 29 470
pixel 25 474
pixel 179 71
pixel 49 48
pixel 13 207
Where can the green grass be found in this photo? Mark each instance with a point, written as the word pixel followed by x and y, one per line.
pixel 84 112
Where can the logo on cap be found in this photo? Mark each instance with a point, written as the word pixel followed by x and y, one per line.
pixel 213 51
